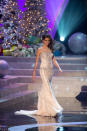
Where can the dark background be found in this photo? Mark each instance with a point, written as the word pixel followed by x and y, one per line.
pixel 82 27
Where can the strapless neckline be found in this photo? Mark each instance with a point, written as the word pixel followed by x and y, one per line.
pixel 48 52
pixel 45 50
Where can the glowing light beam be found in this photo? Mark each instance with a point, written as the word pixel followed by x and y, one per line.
pixel 54 12
pixel 72 17
pixel 62 38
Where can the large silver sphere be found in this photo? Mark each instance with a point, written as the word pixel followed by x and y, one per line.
pixel 78 43
pixel 3 68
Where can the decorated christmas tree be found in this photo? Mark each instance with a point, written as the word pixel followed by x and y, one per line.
pixel 33 20
pixel 19 21
pixel 10 24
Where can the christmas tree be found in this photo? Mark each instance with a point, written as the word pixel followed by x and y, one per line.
pixel 17 24
pixel 34 21
pixel 10 27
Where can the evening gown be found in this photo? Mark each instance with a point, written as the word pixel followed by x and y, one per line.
pixel 47 103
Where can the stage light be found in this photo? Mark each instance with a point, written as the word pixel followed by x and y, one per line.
pixel 54 13
pixel 62 38
pixel 73 16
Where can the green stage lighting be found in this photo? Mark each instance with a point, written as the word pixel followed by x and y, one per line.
pixel 74 14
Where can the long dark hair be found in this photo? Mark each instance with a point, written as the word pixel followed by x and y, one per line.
pixel 51 44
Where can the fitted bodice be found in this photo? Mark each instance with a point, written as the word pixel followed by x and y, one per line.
pixel 46 59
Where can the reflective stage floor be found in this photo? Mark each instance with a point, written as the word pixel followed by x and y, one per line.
pixel 18 92
pixel 73 118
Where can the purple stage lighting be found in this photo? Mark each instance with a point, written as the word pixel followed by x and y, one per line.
pixel 54 13
pixel 21 4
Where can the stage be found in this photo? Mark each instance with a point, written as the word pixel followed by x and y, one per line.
pixel 19 92
pixel 74 116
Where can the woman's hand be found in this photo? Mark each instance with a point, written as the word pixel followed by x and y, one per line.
pixel 56 64
pixel 34 74
pixel 60 70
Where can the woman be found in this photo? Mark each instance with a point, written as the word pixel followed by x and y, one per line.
pixel 47 103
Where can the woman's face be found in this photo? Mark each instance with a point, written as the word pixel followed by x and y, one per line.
pixel 46 41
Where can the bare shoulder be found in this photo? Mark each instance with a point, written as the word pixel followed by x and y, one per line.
pixel 40 49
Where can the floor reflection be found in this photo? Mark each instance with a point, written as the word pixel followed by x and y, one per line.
pixel 51 124
pixel 43 124
pixel 63 129
pixel 74 112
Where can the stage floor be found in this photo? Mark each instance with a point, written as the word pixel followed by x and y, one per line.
pixel 18 92
pixel 73 118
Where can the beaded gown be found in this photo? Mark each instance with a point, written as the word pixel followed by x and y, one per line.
pixel 47 103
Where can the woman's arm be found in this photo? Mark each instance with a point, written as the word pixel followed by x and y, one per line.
pixel 56 64
pixel 36 63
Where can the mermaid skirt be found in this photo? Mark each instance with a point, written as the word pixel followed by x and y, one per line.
pixel 47 104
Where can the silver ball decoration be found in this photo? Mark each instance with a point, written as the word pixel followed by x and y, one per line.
pixel 3 68
pixel 78 43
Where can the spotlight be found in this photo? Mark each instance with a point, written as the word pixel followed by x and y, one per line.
pixel 62 38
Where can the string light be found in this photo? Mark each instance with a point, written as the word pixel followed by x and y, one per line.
pixel 32 21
